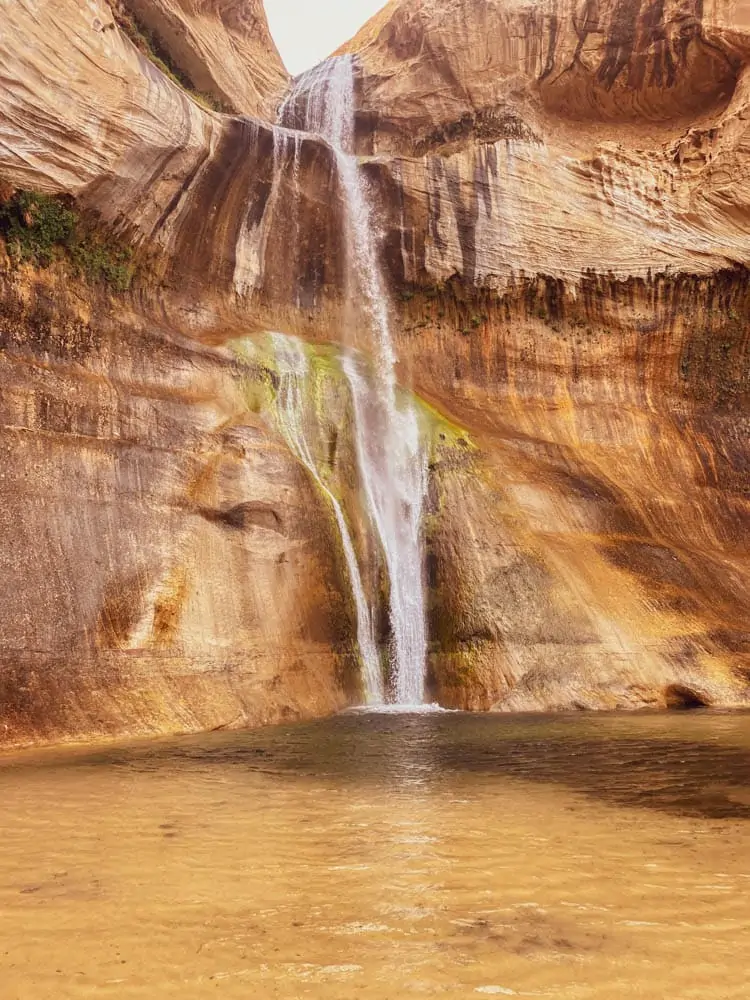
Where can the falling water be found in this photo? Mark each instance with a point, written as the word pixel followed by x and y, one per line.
pixel 293 371
pixel 392 463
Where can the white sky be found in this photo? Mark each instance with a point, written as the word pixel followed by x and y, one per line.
pixel 306 31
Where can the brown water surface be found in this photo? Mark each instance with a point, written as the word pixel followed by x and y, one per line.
pixel 385 857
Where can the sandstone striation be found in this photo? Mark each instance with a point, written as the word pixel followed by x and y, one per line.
pixel 594 552
pixel 623 124
pixel 569 210
pixel 164 565
pixel 564 202
pixel 223 47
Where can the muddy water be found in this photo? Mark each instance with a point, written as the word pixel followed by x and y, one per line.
pixel 385 857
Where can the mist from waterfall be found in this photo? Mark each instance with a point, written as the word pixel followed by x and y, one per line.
pixel 293 369
pixel 392 463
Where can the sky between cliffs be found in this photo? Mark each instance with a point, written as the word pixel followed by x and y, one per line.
pixel 306 31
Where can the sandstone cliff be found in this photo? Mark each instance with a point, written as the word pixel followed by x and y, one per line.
pixel 563 194
pixel 582 169
pixel 222 49
pixel 164 566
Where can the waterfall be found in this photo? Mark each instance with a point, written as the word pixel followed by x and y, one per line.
pixel 392 463
pixel 293 371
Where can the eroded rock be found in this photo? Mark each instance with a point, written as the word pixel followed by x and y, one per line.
pixel 563 194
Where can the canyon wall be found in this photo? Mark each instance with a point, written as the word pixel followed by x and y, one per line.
pixel 563 196
pixel 222 49
pixel 166 566
pixel 568 226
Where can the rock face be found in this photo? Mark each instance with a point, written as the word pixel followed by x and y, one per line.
pixel 200 190
pixel 563 195
pixel 223 47
pixel 624 124
pixel 595 553
pixel 164 565
pixel 572 229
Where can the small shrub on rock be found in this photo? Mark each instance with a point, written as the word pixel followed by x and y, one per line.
pixel 39 229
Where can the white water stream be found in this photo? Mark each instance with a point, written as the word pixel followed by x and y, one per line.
pixel 293 367
pixel 392 462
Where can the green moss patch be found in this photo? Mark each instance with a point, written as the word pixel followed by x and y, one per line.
pixel 440 433
pixel 38 229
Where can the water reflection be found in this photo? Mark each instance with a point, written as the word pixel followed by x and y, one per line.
pixel 384 856
pixel 697 765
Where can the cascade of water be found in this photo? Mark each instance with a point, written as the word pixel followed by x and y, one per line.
pixel 392 463
pixel 293 371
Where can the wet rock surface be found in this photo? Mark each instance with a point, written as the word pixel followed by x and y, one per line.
pixel 165 565
pixel 562 194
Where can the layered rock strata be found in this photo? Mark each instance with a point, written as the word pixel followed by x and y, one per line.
pixel 223 47
pixel 595 552
pixel 165 565
pixel 563 196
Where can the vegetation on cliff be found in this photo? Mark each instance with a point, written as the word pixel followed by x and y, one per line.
pixel 149 45
pixel 38 229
